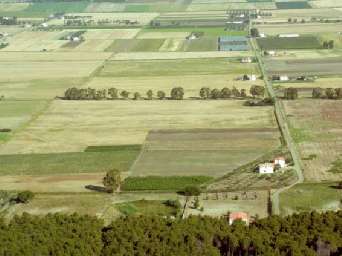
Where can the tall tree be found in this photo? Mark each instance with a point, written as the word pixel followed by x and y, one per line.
pixel 112 180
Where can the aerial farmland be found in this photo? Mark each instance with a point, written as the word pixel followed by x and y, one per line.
pixel 171 94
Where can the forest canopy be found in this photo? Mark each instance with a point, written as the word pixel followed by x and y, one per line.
pixel 57 234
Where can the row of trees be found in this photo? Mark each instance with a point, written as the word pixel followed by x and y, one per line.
pixel 317 93
pixel 207 93
pixel 176 93
pixel 74 93
pixel 305 234
pixel 329 93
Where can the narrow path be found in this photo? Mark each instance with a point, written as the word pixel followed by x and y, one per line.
pixel 284 128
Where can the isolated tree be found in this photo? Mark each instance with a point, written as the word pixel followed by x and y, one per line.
pixel 330 93
pixel 149 94
pixel 317 93
pixel 226 93
pixel 215 94
pixel 161 95
pixel 112 180
pixel 205 93
pixel 124 94
pixel 257 90
pixel 192 191
pixel 136 96
pixel 255 32
pixel 113 93
pixel 177 93
pixel 338 93
pixel 291 93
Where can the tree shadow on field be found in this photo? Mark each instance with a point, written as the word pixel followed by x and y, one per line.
pixel 96 188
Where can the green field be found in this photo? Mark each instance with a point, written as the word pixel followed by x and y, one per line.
pixel 171 183
pixel 176 67
pixel 208 31
pixel 293 5
pixel 302 42
pixel 201 45
pixel 15 113
pixel 44 9
pixel 310 197
pixel 135 45
pixel 146 208
pixel 66 163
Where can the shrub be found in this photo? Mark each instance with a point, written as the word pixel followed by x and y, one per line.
pixel 24 197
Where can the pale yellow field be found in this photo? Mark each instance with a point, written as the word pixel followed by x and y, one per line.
pixel 306 13
pixel 178 55
pixel 110 34
pixel 13 7
pixel 157 35
pixel 171 45
pixel 191 83
pixel 142 18
pixel 326 82
pixel 105 7
pixel 52 56
pixel 307 54
pixel 35 41
pixel 70 126
pixel 326 3
pixel 24 71
pixel 299 28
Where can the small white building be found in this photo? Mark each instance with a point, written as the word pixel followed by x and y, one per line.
pixel 246 60
pixel 284 78
pixel 280 161
pixel 270 53
pixel 266 168
pixel 288 35
pixel 44 25
pixel 262 35
pixel 252 77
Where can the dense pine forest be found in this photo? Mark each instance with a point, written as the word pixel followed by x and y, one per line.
pixel 299 234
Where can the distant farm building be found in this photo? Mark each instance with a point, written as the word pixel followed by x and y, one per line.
pixel 238 216
pixel 288 35
pixel 233 43
pixel 280 161
pixel 266 168
pixel 246 60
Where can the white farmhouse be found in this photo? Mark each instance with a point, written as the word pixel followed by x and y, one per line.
pixel 284 78
pixel 288 35
pixel 280 161
pixel 266 168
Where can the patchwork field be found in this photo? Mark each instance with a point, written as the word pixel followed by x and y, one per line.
pixel 72 126
pixel 306 28
pixel 212 152
pixel 311 67
pixel 176 67
pixel 316 128
pixel 302 42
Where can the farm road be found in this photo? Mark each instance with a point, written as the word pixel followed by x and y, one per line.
pixel 284 128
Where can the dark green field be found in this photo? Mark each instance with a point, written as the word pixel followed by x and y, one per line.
pixel 171 183
pixel 302 42
pixel 60 163
pixel 293 5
